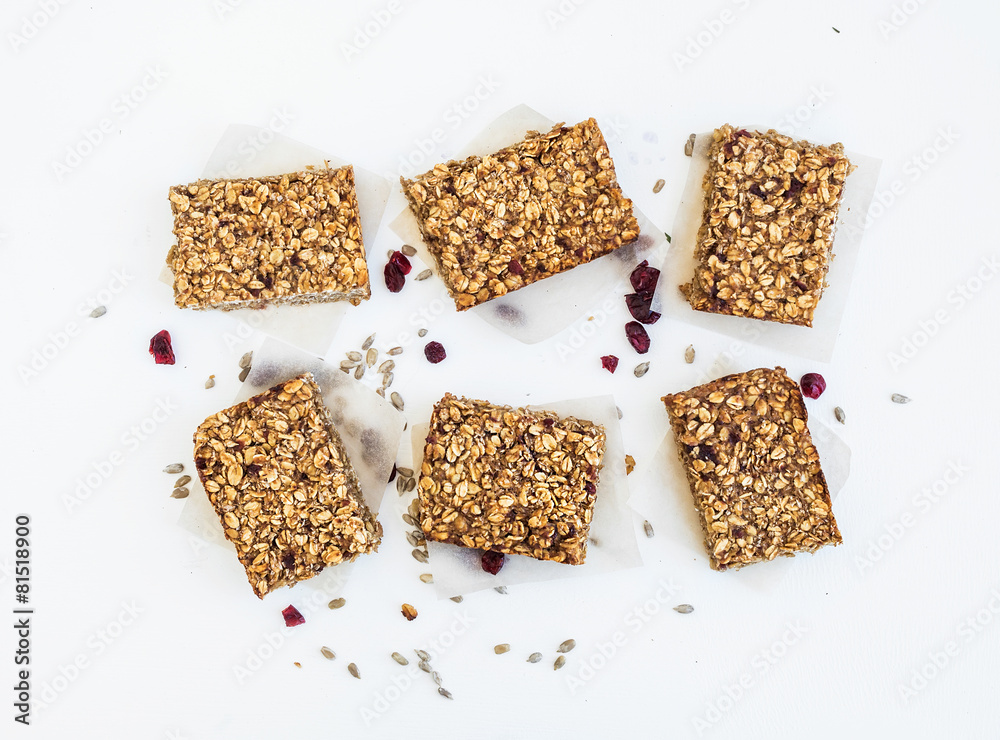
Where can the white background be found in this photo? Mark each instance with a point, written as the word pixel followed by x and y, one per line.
pixel 870 615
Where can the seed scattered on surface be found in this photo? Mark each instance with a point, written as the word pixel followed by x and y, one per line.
pixel 182 481
pixel 534 657
pixel 619 410
pixel 423 655
pixel 659 185
pixel 395 351
pixel 407 250
pixel 566 646
pixel 422 333
pixel 560 662
pixel 456 599
pixel 436 677
pixel 98 312
pixel 174 468
pixel 409 519
pixel 900 398
pixel 423 275
pixel 412 539
pixel 354 670
pixel 387 380
pixel 427 577
pixel 368 343
pixel 372 357
pixel 389 253
pixel 210 383
pixel 180 493
pixel 689 146
pixel 647 528
pixel 387 366
pixel 401 485
pixel 424 666
pixel 397 400
pixel 411 483
pixel 684 609
pixel 359 372
pixel 689 354
pixel 502 648
pixel 354 356
pixel 419 556
pixel 244 373
pixel 501 590
pixel 841 416
pixel 297 664
pixel 400 659
pixel 405 472
pixel 409 611
pixel 337 603
pixel 641 369
pixel 246 360
pixel 348 365
pixel 445 693
pixel 327 653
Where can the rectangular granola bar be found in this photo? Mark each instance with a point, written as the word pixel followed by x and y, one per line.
pixel 534 209
pixel 516 481
pixel 276 471
pixel 754 472
pixel 291 239
pixel 766 237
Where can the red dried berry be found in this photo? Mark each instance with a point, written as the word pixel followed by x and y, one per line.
pixel 813 385
pixel 492 561
pixel 400 260
pixel 637 337
pixel 293 617
pixel 609 363
pixel 644 278
pixel 515 267
pixel 394 279
pixel 434 352
pixel 639 305
pixel 160 348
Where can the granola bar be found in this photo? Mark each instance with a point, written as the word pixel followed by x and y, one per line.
pixel 276 472
pixel 515 481
pixel 766 237
pixel 754 472
pixel 534 209
pixel 291 239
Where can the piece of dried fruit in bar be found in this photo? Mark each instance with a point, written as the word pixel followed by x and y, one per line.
pixel 639 305
pixel 609 363
pixel 293 617
pixel 399 260
pixel 161 349
pixel 394 278
pixel 434 352
pixel 492 561
pixel 637 337
pixel 644 278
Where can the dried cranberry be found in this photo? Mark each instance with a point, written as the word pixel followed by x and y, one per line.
pixel 288 563
pixel 639 306
pixel 637 337
pixel 399 260
pixel 394 278
pixel 492 561
pixel 644 278
pixel 609 363
pixel 793 188
pixel 515 267
pixel 813 385
pixel 160 348
pixel 293 617
pixel 434 352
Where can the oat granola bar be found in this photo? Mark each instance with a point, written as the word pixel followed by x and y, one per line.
pixel 766 236
pixel 515 481
pixel 534 209
pixel 276 471
pixel 288 239
pixel 754 472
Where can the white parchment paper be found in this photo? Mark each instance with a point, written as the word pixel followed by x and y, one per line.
pixel 248 151
pixel 543 309
pixel 816 342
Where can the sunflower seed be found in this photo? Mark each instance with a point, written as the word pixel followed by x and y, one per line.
pixel 501 590
pixel 387 366
pixel 210 383
pixel 689 354
pixel 427 578
pixel 414 507
pixel 297 664
pixel 422 333
pixel 900 398
pixel 419 556
pixel 400 659
pixel 182 481
pixel 387 379
pixel 409 611
pixel 647 528
pixel 445 693
pixel 423 275
pixel 174 468
pixel 618 409
pixel 98 312
pixel 407 250
pixel 368 343
pixel 397 400
pixel 372 357
pixel 436 677
pixel 502 648
pixel 244 373
pixel 337 603
pixel 456 599
pixel 689 146
pixel 401 485
pixel 534 657
pixel 659 185
pixel 246 360
pixel 409 519
pixel 405 472
pixel 395 351
pixel 354 670
pixel 560 662
pixel 412 539
pixel 347 366
pixel 381 392
pixel 424 666
pixel 566 646
pixel 359 372
pixel 684 609
pixel 180 493
pixel 641 369
pixel 327 653
pixel 411 483
pixel 423 655
pixel 841 416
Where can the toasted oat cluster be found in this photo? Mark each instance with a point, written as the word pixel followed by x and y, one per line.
pixel 766 236
pixel 544 205
pixel 279 478
pixel 511 480
pixel 753 469
pixel 292 238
